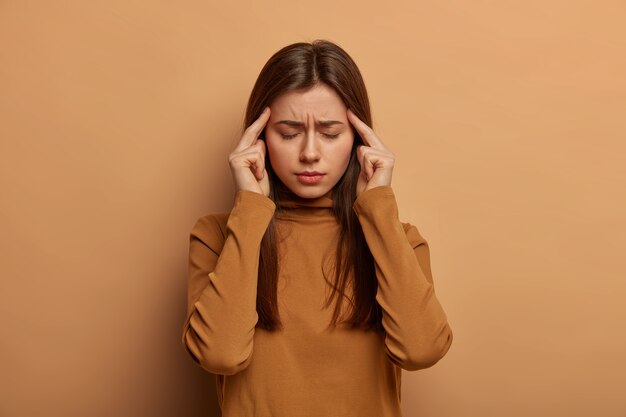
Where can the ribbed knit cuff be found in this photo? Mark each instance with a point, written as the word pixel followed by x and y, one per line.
pixel 377 201
pixel 251 213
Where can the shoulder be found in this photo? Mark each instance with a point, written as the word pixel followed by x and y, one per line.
pixel 211 221
pixel 210 228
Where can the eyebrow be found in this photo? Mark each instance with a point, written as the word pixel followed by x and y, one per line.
pixel 324 123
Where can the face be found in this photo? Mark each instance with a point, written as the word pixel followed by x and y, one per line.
pixel 308 130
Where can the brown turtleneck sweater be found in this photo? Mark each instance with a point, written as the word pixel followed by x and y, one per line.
pixel 308 369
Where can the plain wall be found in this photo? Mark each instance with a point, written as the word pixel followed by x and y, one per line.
pixel 507 119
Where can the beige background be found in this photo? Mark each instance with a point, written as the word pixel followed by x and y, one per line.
pixel 507 119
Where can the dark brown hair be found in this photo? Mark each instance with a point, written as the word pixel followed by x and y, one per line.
pixel 300 66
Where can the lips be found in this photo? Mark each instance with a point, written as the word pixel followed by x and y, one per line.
pixel 310 177
pixel 311 173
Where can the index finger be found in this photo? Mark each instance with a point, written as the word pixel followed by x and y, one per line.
pixel 252 132
pixel 366 132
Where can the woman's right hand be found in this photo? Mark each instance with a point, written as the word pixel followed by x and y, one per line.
pixel 247 161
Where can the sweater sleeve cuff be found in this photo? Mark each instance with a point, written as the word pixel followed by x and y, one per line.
pixel 251 212
pixel 247 197
pixel 379 201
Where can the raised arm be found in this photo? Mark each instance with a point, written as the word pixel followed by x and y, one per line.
pixel 417 329
pixel 222 285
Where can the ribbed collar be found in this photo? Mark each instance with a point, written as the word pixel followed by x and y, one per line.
pixel 295 207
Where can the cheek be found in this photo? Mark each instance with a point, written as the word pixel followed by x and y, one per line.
pixel 346 150
pixel 276 153
pixel 272 145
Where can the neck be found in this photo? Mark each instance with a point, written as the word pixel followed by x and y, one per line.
pixel 291 205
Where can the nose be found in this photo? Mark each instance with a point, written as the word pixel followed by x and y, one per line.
pixel 310 149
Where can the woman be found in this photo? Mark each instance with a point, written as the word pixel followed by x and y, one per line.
pixel 310 296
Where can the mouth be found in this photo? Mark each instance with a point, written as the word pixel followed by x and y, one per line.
pixel 310 177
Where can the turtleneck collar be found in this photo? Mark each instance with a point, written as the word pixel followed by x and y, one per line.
pixel 290 205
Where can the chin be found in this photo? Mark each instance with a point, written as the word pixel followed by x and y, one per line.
pixel 309 191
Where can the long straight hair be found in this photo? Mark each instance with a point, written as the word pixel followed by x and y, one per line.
pixel 300 66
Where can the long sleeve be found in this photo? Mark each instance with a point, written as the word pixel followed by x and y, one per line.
pixel 416 326
pixel 222 285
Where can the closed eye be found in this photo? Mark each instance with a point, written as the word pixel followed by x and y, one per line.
pixel 295 134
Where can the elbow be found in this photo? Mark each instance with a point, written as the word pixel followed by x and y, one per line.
pixel 215 359
pixel 424 359
pixel 425 355
pixel 223 365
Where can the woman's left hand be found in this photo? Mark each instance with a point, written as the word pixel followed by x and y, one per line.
pixel 375 158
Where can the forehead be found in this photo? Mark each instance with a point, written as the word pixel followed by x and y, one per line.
pixel 320 101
